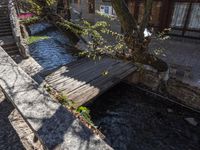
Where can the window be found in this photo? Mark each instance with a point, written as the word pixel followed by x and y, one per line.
pixel 106 9
pixel 194 21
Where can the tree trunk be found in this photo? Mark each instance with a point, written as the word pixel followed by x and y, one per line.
pixel 63 9
pixel 134 35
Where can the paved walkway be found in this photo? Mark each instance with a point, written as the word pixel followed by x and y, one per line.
pixel 14 132
pixel 184 54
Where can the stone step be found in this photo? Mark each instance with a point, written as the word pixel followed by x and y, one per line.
pixel 4 18
pixel 4 4
pixel 5 27
pixel 3 12
pixel 5 24
pixel 3 7
pixel 11 49
pixel 13 53
pixel 14 48
pixel 7 40
pixel 5 30
pixel 6 33
pixel 4 21
pixel 10 46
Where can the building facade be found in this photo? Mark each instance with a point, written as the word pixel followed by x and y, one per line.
pixel 90 9
pixel 182 16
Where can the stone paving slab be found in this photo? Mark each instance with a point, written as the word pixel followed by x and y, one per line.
pixel 15 134
pixel 183 53
pixel 53 124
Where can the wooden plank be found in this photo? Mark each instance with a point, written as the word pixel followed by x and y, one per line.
pixel 69 70
pixel 73 73
pixel 94 83
pixel 83 78
pixel 106 79
pixel 53 124
pixel 92 93
pixel 96 87
pixel 95 92
pixel 63 69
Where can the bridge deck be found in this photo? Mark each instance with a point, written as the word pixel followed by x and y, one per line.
pixel 85 79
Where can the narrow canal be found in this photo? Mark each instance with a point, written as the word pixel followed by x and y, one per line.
pixel 130 119
pixel 49 47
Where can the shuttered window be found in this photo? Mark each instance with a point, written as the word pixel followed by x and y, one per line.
pixel 179 14
pixel 194 21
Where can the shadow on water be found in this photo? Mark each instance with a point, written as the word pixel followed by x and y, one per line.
pixel 131 120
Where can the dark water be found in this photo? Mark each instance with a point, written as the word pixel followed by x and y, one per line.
pixel 131 120
pixel 52 52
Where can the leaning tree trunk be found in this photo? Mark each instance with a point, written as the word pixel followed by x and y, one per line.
pixel 63 9
pixel 134 35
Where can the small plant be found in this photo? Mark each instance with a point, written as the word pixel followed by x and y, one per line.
pixel 85 113
pixel 64 100
pixel 81 111
pixel 48 88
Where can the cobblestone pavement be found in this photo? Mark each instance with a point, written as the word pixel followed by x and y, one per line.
pixel 132 120
pixel 14 132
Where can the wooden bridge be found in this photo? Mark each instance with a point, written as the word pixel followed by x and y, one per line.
pixel 81 81
pixel 84 80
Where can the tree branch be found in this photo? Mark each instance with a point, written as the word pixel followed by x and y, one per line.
pixel 121 9
pixel 148 6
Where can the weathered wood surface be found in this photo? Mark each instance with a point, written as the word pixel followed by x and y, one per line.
pixel 53 124
pixel 83 80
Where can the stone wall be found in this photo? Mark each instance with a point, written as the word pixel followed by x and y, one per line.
pixel 23 48
pixel 185 93
pixel 182 92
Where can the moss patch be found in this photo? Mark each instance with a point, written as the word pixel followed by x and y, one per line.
pixel 33 39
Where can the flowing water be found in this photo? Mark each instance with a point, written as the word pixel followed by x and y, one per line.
pixel 131 120
pixel 51 48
